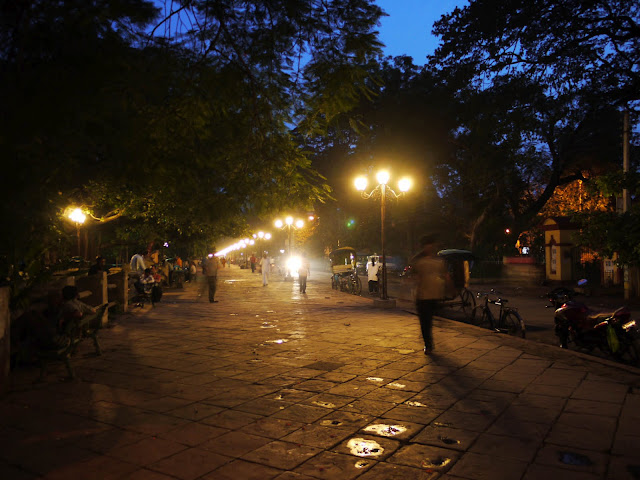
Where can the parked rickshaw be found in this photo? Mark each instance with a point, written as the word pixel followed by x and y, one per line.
pixel 460 263
pixel 344 276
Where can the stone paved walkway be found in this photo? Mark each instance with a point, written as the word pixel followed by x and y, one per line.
pixel 271 384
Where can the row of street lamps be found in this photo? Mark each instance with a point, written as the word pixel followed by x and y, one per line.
pixel 381 190
pixel 289 223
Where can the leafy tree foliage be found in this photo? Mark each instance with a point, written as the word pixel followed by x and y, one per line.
pixel 562 44
pixel 539 84
pixel 180 130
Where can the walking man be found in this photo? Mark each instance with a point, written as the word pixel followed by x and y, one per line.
pixel 303 271
pixel 265 264
pixel 210 267
pixel 434 285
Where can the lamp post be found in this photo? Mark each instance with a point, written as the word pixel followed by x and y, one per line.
pixel 78 217
pixel 382 189
pixel 290 224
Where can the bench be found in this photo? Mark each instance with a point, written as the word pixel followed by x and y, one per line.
pixel 75 331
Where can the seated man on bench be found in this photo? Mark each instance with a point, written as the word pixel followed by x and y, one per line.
pixel 72 308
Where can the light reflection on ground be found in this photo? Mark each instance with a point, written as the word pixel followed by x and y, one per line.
pixel 364 448
pixel 385 430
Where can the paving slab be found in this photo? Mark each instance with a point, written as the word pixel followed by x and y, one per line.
pixel 269 383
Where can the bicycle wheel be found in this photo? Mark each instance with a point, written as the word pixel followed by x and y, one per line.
pixel 514 324
pixel 479 317
pixel 467 302
pixel 357 286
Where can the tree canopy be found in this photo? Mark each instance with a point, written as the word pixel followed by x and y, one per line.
pixel 175 121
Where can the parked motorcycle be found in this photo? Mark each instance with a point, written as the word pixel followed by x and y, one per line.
pixel 613 333
pixel 560 295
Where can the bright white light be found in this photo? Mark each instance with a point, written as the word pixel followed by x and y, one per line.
pixel 261 234
pixel 361 184
pixel 166 244
pixel 293 265
pixel 255 236
pixel 281 251
pixel 404 184
pixel 289 220
pixel 382 177
pixel 299 224
pixel 77 216
pixel 210 255
pixel 311 218
pixel 279 223
pixel 252 242
pixel 267 236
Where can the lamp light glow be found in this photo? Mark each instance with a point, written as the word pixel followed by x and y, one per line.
pixel 404 184
pixel 299 224
pixel 361 183
pixel 77 216
pixel 289 220
pixel 279 223
pixel 383 177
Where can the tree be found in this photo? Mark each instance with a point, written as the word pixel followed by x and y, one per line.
pixel 186 133
pixel 539 86
pixel 566 45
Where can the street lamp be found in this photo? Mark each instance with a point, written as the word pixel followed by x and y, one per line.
pixel 382 189
pixel 78 217
pixel 290 224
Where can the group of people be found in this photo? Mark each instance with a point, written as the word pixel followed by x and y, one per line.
pixel 434 282
pixel 167 270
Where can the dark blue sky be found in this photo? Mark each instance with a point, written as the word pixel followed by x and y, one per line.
pixel 407 29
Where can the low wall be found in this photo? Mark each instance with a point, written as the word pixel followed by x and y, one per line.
pixel 522 270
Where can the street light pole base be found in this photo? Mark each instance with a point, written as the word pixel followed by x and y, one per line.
pixel 384 303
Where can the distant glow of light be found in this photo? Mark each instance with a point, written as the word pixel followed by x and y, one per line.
pixel 383 177
pixel 279 223
pixel 507 231
pixel 267 236
pixel 260 234
pixel 311 218
pixel 166 244
pixel 289 220
pixel 299 224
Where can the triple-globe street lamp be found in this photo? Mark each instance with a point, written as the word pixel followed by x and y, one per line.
pixel 382 190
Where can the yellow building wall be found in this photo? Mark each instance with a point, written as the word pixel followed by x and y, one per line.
pixel 558 251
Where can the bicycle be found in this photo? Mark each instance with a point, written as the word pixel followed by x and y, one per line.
pixel 508 320
pixel 347 282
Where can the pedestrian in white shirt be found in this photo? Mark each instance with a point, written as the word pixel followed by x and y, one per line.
pixel 372 275
pixel 265 264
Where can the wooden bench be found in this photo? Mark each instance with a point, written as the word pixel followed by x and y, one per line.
pixel 75 331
